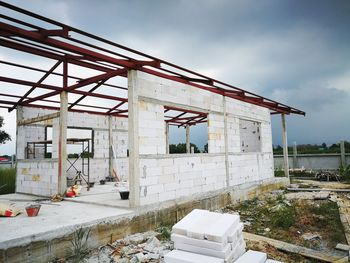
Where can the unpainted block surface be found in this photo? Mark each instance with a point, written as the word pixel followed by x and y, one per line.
pixel 178 256
pixel 252 256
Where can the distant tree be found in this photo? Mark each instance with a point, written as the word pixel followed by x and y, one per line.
pixel 4 137
pixel 181 148
pixel 324 145
pixel 206 148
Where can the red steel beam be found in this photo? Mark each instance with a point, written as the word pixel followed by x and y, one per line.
pixel 51 55
pixel 33 87
pixel 174 118
pixel 183 110
pixel 84 96
pixel 115 107
pixel 281 107
pixel 54 101
pixel 55 73
pixel 51 87
pixel 38 37
pixel 84 82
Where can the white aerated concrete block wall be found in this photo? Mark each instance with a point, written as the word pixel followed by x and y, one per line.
pixel 167 177
pixel 38 177
pixel 216 133
pixel 151 128
pixel 99 164
pixel 164 179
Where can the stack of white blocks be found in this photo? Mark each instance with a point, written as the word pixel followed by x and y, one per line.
pixel 214 236
pixel 209 237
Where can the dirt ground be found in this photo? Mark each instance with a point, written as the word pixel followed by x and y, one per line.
pixel 310 223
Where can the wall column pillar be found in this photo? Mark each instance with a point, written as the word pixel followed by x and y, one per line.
pixel 133 134
pixel 342 153
pixel 110 143
pixel 62 143
pixel 285 146
pixel 295 156
pixel 226 143
pixel 188 145
pixel 167 138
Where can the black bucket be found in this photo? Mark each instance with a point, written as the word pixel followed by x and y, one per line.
pixel 124 195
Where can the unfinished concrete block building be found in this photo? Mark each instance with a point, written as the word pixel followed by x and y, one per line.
pixel 109 96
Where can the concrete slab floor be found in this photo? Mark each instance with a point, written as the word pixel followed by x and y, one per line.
pixel 105 195
pixel 53 218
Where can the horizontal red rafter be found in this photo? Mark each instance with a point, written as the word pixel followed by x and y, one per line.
pixel 50 87
pixel 56 73
pixel 184 118
pixel 183 110
pixel 33 88
pixel 54 101
pixel 115 107
pixel 107 59
pixel 84 82
pixel 38 37
pixel 51 55
pixel 44 32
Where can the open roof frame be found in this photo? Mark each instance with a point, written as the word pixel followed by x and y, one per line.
pixel 65 45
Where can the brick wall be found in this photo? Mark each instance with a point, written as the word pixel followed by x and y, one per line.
pixel 166 177
pixel 44 171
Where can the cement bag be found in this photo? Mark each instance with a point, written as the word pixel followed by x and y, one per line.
pixel 8 210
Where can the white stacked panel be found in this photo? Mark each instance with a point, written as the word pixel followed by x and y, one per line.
pixel 210 234
pixel 252 257
pixel 178 256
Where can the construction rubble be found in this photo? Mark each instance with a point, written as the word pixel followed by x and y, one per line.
pixel 201 236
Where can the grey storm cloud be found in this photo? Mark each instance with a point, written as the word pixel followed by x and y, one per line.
pixel 296 52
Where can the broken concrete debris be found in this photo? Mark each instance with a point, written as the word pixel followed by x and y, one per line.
pixel 311 236
pixel 140 247
pixel 308 195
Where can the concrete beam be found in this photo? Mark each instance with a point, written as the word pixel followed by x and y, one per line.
pixel 133 119
pixel 285 146
pixel 38 119
pixel 62 143
pixel 188 145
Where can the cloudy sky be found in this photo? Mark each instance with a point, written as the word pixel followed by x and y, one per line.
pixel 296 52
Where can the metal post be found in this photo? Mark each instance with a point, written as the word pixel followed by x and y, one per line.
pixel 285 145
pixel 62 138
pixel 133 118
pixel 342 154
pixel 188 147
pixel 295 156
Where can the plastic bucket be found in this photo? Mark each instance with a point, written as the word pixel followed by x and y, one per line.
pixel 33 210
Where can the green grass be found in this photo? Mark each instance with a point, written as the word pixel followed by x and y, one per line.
pixel 7 180
pixel 329 216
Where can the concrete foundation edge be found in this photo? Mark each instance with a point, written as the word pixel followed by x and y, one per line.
pixel 144 219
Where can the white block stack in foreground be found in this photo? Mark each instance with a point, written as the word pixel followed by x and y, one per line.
pixel 212 235
pixel 208 237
